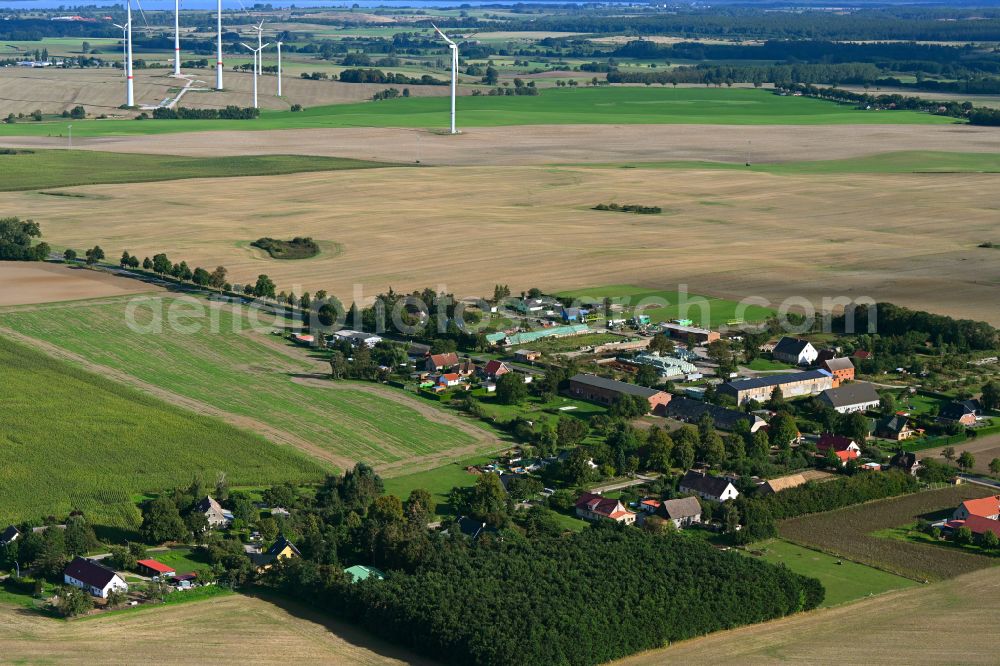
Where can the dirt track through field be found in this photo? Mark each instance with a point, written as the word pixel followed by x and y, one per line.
pixel 913 626
pixel 547 144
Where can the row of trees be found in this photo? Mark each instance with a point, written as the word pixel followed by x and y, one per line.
pixel 230 112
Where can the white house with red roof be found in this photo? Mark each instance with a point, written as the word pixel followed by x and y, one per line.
pixel 450 379
pixel 494 369
pixel 436 362
pixel 592 506
pixel 987 507
pixel 845 448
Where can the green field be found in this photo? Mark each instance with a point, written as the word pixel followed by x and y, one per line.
pixel 704 310
pixel 183 560
pixel 241 374
pixel 606 105
pixel 438 481
pixel 844 580
pixel 907 161
pixel 39 169
pixel 73 440
pixel 764 364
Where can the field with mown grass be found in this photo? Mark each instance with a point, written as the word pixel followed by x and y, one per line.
pixel 71 439
pixel 252 378
pixel 604 105
pixel 664 305
pixel 40 169
pixel 852 533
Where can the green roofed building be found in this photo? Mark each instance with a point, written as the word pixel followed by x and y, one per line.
pixel 360 572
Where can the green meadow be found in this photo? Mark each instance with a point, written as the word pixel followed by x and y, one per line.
pixel 603 105
pixel 39 169
pixel 908 161
pixel 664 305
pixel 844 580
pixel 239 373
pixel 73 440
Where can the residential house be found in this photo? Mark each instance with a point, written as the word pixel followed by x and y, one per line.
pixel 572 315
pixel 153 568
pixel 791 385
pixel 216 515
pixel 691 411
pixel 701 336
pixel 9 535
pixel 682 512
pixel 905 461
pixel 716 488
pixel 795 351
pixel 987 507
pixel 976 524
pixel 607 391
pixel 93 577
pixel 650 505
pixel 438 362
pixel 772 486
pixel 845 448
pixel 282 549
pixel 527 355
pixel 466 368
pixel 853 397
pixel 360 572
pixel 472 528
pixel 591 506
pixel 357 338
pixel 895 427
pixel 961 411
pixel 493 370
pixel 841 368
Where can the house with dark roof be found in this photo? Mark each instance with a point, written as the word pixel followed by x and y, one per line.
pixel 715 488
pixel 794 351
pixel 691 411
pixel 606 391
pixel 841 368
pixel 282 549
pixel 93 577
pixel 853 397
pixel 214 513
pixel 791 385
pixel 961 411
pixel 472 528
pixel 905 461
pixel 895 427
pixel 682 512
pixel 591 506
pixel 844 448
pixel 9 535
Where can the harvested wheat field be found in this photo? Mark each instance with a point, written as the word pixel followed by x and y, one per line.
pixel 23 283
pixel 102 91
pixel 224 630
pixel 983 449
pixel 547 144
pixel 733 234
pixel 912 626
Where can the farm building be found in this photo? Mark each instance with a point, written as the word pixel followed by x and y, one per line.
pixel 794 351
pixel 792 385
pixel 153 568
pixel 214 513
pixel 690 411
pixel 853 397
pixel 772 486
pixel 526 337
pixel 594 507
pixel 666 366
pixel 715 488
pixel 95 578
pixel 841 368
pixel 358 338
pixel 701 336
pixel 527 355
pixel 9 536
pixel 607 391
pixel 682 512
pixel 360 572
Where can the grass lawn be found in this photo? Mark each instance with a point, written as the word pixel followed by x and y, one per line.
pixel 909 161
pixel 605 105
pixel 569 343
pixel 38 169
pixel 247 374
pixel 844 580
pixel 73 440
pixel 664 305
pixel 183 560
pixel 438 481
pixel 911 534
pixel 763 364
pixel 920 403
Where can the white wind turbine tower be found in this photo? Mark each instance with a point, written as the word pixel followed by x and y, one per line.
pixel 256 54
pixel 257 63
pixel 177 37
pixel 127 56
pixel 279 68
pixel 454 74
pixel 218 47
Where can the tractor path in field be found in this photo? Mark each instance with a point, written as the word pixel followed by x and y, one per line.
pixel 244 422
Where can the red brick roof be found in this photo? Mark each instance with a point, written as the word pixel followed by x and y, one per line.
pixel 444 360
pixel 837 442
pixel 987 506
pixel 600 505
pixel 977 524
pixel 156 566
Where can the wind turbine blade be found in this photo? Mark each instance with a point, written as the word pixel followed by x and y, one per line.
pixel 142 13
pixel 249 47
pixel 265 46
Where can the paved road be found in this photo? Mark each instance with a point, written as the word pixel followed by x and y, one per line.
pixel 637 481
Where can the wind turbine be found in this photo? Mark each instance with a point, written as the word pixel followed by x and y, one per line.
pixel 279 68
pixel 177 37
pixel 257 63
pixel 256 53
pixel 218 44
pixel 127 54
pixel 454 74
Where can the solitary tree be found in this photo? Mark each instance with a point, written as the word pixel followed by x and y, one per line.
pixel 966 460
pixel 511 389
pixel 94 255
pixel 949 453
pixel 995 466
pixel 991 395
pixel 69 254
